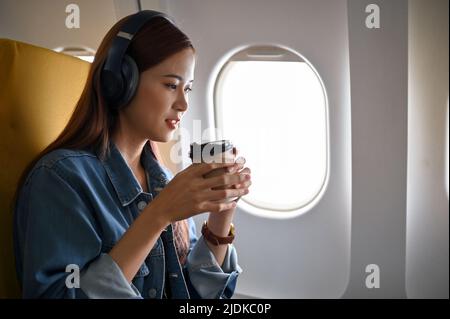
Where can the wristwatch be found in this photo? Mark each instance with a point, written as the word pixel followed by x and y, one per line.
pixel 216 240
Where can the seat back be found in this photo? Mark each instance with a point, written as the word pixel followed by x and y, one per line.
pixel 39 89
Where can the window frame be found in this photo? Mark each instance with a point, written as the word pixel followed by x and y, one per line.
pixel 272 53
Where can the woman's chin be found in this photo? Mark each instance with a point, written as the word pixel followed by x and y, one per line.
pixel 163 138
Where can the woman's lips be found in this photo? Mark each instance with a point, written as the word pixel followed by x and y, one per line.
pixel 172 123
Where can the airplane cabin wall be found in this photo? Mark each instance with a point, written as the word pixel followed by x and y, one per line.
pixel 42 23
pixel 379 79
pixel 427 207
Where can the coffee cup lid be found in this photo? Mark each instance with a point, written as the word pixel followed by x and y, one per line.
pixel 220 146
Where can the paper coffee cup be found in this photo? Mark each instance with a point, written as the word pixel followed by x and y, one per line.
pixel 221 151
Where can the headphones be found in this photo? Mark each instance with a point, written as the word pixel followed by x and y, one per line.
pixel 120 74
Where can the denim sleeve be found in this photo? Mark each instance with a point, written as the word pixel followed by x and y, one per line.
pixel 55 228
pixel 207 277
pixel 103 278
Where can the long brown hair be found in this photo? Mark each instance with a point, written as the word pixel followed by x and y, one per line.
pixel 92 122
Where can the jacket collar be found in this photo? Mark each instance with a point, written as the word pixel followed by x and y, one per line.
pixel 122 178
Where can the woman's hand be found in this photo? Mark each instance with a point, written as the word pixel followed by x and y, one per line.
pixel 219 224
pixel 189 193
pixel 240 169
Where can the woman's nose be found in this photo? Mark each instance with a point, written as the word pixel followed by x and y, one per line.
pixel 182 103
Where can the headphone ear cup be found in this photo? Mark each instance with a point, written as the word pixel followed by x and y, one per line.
pixel 130 76
pixel 111 86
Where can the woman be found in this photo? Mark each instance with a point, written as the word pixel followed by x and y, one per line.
pixel 98 201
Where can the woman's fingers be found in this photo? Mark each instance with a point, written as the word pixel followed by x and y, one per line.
pixel 221 194
pixel 239 164
pixel 243 185
pixel 224 180
pixel 201 169
pixel 240 160
pixel 246 171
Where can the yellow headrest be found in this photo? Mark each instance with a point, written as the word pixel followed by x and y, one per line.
pixel 39 89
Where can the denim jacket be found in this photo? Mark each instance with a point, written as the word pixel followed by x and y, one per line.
pixel 73 208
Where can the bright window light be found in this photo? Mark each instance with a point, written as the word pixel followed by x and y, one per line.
pixel 275 112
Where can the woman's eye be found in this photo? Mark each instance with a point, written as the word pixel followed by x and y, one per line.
pixel 174 87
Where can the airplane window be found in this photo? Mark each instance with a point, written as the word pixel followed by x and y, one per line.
pixel 83 53
pixel 272 104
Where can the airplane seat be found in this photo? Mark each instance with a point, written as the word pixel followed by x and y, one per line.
pixel 39 89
